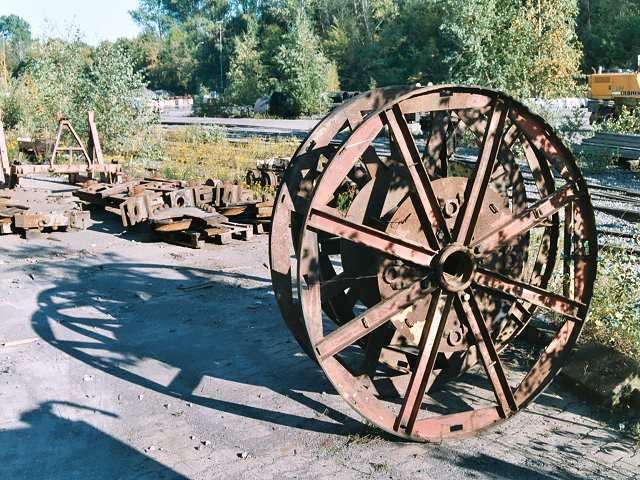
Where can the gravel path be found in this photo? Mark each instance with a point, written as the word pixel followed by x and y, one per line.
pixel 145 360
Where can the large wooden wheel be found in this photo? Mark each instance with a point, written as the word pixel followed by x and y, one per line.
pixel 412 293
pixel 291 198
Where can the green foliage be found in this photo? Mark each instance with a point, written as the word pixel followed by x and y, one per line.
pixel 628 121
pixel 45 89
pixel 528 48
pixel 176 62
pixel 66 79
pixel 110 86
pixel 614 317
pixel 15 29
pixel 16 35
pixel 383 42
pixel 153 17
pixel 247 76
pixel 548 35
pixel 225 160
pixel 345 199
pixel 302 70
pixel 635 432
pixel 610 33
pixel 203 134
pixel 182 49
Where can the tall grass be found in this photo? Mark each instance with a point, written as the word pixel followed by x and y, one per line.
pixel 199 153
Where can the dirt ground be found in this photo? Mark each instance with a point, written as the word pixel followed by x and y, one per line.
pixel 144 360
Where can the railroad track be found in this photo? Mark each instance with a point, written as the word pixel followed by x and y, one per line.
pixel 621 203
pixel 628 200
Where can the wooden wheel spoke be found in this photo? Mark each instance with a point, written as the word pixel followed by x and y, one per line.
pixel 425 199
pixel 429 344
pixel 383 356
pixel 491 144
pixel 529 218
pixel 435 155
pixel 509 138
pixel 467 308
pixel 331 221
pixel 529 293
pixel 373 318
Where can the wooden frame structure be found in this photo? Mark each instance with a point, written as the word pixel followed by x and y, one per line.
pixel 92 166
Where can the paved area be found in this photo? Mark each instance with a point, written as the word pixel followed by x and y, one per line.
pixel 246 126
pixel 140 360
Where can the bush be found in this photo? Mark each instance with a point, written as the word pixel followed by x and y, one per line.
pixel 45 89
pixel 66 79
pixel 628 121
pixel 303 71
pixel 199 134
pixel 614 317
pixel 110 86
pixel 212 107
pixel 247 76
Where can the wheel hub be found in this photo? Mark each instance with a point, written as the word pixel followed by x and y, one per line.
pixel 454 267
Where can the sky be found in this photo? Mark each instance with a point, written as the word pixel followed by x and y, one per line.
pixel 97 20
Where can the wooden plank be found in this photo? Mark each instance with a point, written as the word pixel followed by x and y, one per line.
pixel 186 238
pixel 5 169
pixel 95 148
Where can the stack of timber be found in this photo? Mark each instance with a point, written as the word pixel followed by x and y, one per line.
pixel 623 147
pixel 31 212
pixel 183 212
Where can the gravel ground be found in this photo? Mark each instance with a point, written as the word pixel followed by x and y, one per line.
pixel 145 360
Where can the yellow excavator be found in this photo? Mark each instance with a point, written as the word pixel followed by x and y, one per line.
pixel 610 90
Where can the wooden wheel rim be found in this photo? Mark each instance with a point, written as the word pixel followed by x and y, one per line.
pixel 572 197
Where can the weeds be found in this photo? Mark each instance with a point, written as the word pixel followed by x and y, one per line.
pixel 345 199
pixel 614 318
pixel 595 162
pixel 202 153
pixel 368 435
pixel 635 432
pixel 614 314
pixel 363 439
pixel 199 134
pixel 628 121
pixel 266 191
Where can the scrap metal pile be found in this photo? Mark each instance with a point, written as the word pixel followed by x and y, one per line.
pixel 409 282
pixel 33 211
pixel 179 212
pixel 268 173
pixel 182 212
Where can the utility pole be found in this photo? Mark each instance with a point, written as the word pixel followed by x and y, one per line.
pixel 4 72
pixel 219 22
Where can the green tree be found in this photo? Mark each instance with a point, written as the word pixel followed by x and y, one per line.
pixel 189 56
pixel 246 71
pixel 45 87
pixel 610 33
pixel 524 47
pixel 302 70
pixel 176 63
pixel 152 17
pixel 548 31
pixel 114 90
pixel 382 42
pixel 15 40
pixel 67 78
